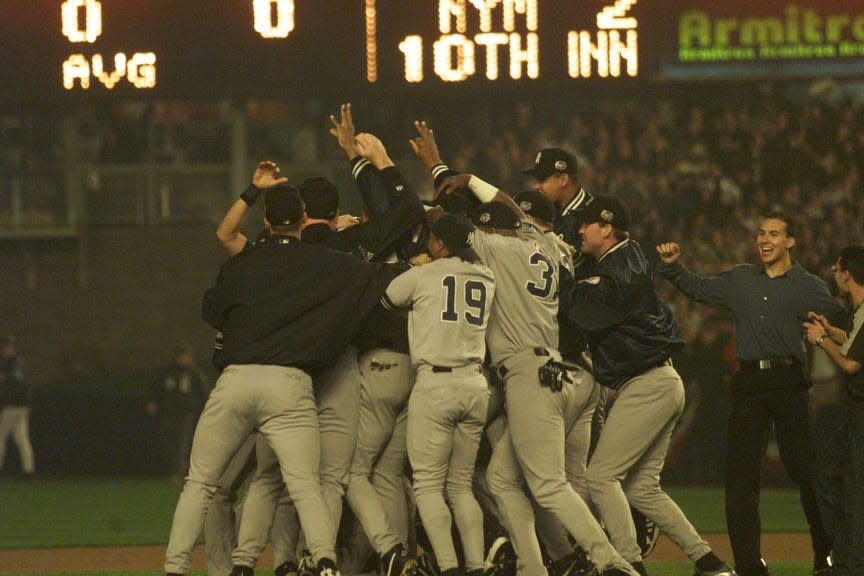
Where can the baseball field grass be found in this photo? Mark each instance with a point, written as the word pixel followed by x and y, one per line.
pixel 67 513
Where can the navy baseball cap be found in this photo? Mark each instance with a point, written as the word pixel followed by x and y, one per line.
pixel 321 198
pixel 496 215
pixel 283 205
pixel 535 204
pixel 551 161
pixel 607 210
pixel 457 233
pixel 461 201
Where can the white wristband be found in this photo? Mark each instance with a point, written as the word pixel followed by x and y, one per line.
pixel 484 191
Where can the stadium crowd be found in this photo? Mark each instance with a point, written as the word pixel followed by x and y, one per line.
pixel 708 161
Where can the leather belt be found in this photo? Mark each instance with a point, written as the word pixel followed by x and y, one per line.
pixel 449 369
pixel 539 351
pixel 770 363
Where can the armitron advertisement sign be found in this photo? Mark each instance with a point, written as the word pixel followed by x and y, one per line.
pixel 766 38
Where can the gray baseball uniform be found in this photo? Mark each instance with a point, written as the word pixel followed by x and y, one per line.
pixel 336 395
pixel 279 401
pixel 220 524
pixel 523 335
pixel 450 302
pixel 376 492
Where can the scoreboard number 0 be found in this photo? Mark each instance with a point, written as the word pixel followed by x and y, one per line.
pixel 273 18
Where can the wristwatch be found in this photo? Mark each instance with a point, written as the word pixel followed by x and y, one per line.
pixel 819 340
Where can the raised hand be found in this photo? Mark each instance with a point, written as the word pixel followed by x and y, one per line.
pixel 669 252
pixel 371 148
pixel 424 145
pixel 266 175
pixel 343 130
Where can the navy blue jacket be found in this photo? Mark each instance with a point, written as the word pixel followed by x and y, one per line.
pixel 630 329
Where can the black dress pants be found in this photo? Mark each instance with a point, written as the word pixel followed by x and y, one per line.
pixel 761 398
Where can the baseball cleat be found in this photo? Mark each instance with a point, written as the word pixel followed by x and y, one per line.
pixel 823 566
pixel 647 532
pixel 425 565
pixel 397 563
pixel 501 559
pixel 711 565
pixel 576 564
pixel 286 569
pixel 725 571
pixel 306 565
pixel 327 567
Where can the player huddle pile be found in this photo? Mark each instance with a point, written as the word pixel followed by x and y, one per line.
pixel 351 349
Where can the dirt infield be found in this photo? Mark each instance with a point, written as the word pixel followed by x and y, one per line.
pixel 774 547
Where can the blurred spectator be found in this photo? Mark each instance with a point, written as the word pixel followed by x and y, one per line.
pixel 177 401
pixel 15 399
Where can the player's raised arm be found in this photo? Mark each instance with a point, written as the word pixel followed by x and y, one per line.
pixel 228 232
pixel 481 189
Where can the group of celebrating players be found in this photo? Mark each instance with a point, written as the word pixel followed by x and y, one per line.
pixel 526 326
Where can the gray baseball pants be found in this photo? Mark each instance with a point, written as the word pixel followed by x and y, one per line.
pixel 337 394
pixel 376 492
pixel 625 467
pixel 279 402
pixel 535 449
pixel 446 417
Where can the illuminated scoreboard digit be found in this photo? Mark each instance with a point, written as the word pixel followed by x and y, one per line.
pixel 506 36
pixel 219 48
pixel 81 22
pixel 273 18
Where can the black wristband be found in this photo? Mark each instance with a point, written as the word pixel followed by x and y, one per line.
pixel 250 195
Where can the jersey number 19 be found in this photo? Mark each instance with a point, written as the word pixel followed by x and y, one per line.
pixel 474 296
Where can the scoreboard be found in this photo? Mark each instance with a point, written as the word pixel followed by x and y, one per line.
pixel 66 49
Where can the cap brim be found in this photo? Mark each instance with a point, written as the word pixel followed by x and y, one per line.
pixel 539 174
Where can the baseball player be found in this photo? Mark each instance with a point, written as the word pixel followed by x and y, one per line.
pixel 221 523
pixel 285 309
pixel 581 397
pixel 16 396
pixel 338 390
pixel 556 176
pixel 523 339
pixel 632 335
pixel 578 413
pixel 449 302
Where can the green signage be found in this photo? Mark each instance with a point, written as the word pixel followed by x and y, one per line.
pixel 792 33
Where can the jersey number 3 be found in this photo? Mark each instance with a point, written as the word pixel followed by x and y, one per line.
pixel 474 295
pixel 547 274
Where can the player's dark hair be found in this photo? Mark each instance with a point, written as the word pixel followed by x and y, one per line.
pixel 471 258
pixel 852 260
pixel 620 235
pixel 786 218
pixel 287 229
